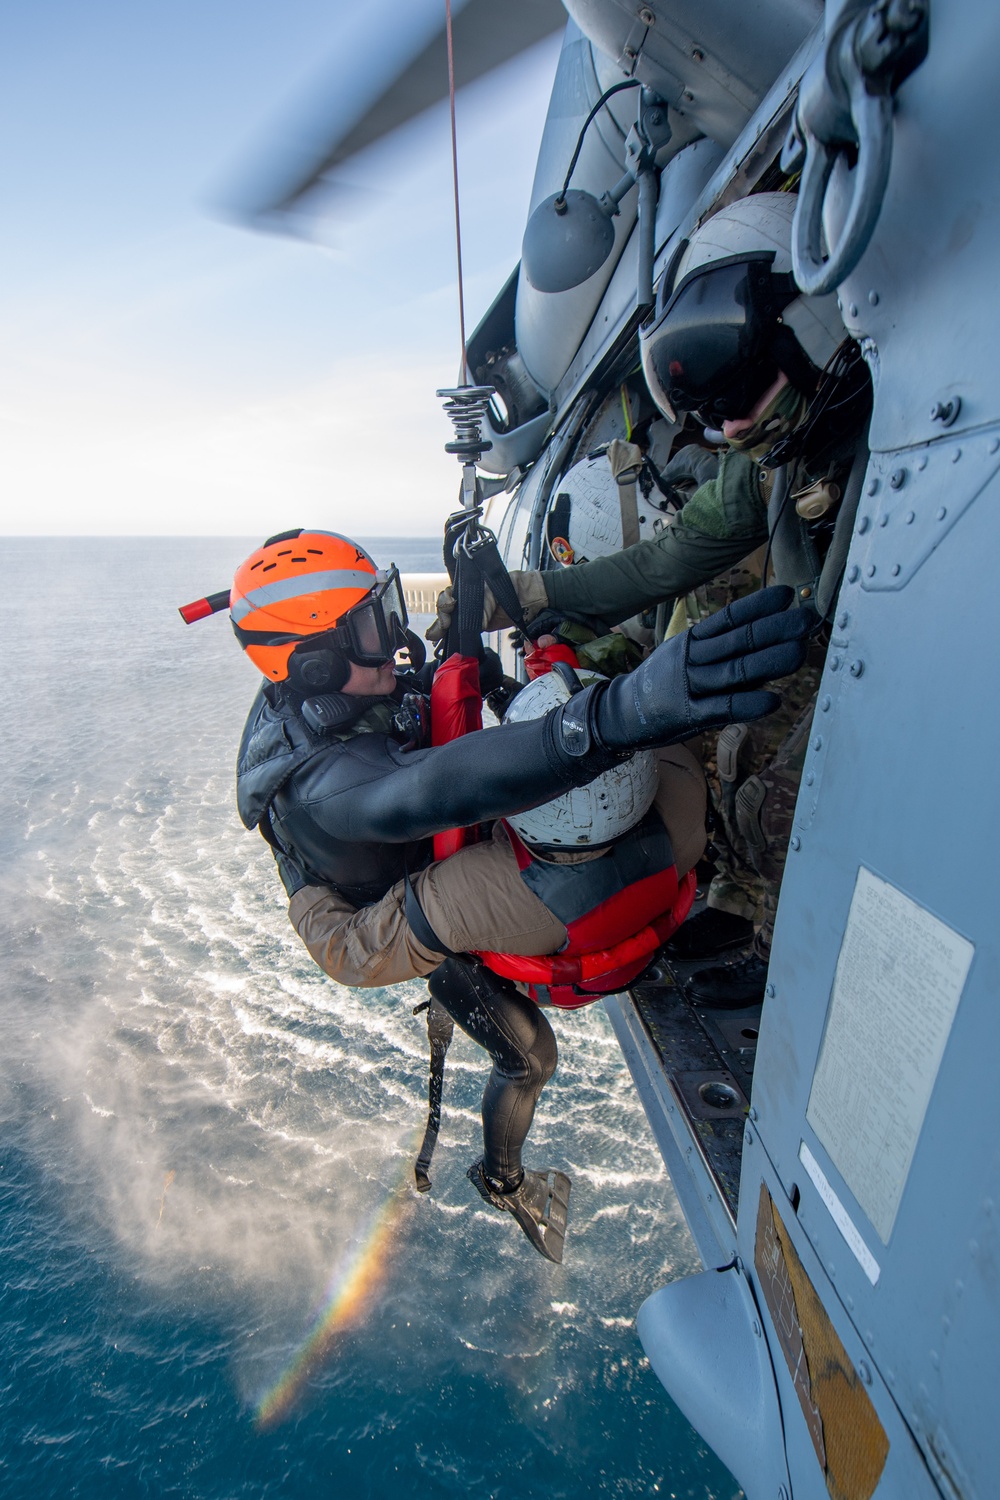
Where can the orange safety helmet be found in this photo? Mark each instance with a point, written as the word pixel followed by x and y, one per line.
pixel 315 589
pixel 299 583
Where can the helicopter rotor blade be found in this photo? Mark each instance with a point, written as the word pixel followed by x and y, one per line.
pixel 485 34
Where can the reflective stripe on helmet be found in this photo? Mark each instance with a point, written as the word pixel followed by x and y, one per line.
pixel 302 583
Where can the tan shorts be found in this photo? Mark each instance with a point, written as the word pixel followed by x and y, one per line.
pixel 474 900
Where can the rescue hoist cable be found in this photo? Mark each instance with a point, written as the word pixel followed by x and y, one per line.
pixel 465 404
pixel 454 168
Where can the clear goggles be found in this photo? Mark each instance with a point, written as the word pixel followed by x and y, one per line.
pixel 709 348
pixel 373 631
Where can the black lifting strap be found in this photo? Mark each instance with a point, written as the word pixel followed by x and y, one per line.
pixel 486 553
pixel 440 1028
pixel 465 633
pixel 474 561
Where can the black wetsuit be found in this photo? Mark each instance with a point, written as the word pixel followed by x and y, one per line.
pixel 356 810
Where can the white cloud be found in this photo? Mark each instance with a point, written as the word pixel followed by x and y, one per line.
pixel 361 447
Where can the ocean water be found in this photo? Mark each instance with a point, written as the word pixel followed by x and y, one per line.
pixel 215 1280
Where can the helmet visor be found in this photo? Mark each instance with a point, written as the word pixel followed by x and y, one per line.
pixel 709 348
pixel 374 630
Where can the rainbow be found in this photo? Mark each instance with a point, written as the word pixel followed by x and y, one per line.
pixel 347 1297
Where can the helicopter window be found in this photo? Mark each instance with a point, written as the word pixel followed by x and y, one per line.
pixel 499 412
pixel 506 525
pixel 514 528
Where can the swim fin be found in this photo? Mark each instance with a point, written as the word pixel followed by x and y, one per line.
pixel 540 1205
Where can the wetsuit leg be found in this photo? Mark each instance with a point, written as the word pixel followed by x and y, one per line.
pixel 521 1045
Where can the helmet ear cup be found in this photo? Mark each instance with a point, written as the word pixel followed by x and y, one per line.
pixel 317 671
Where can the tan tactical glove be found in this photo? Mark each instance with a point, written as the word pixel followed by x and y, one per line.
pixel 528 586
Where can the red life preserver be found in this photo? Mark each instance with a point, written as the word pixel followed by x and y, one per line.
pixel 609 942
pixel 456 709
pixel 612 937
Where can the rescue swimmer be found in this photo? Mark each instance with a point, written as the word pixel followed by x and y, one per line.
pixel 336 769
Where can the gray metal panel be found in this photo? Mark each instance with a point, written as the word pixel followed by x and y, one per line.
pixel 906 790
pixel 550 325
pixel 519 447
pixel 899 780
pixel 925 291
pixel 712 61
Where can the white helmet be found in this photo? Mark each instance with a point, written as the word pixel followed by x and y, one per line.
pixel 588 816
pixel 731 314
pixel 586 516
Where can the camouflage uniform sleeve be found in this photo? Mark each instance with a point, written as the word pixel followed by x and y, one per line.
pixel 723 521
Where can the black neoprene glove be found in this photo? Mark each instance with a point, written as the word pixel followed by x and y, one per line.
pixel 708 677
pixel 691 468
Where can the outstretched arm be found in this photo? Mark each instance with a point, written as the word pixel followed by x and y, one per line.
pixel 373 791
pixel 724 520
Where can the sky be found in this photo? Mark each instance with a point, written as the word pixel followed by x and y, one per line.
pixel 166 371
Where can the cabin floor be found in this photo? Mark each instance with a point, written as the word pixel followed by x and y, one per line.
pixel 707 1058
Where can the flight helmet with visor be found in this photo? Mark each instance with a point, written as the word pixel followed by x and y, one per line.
pixel 730 319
